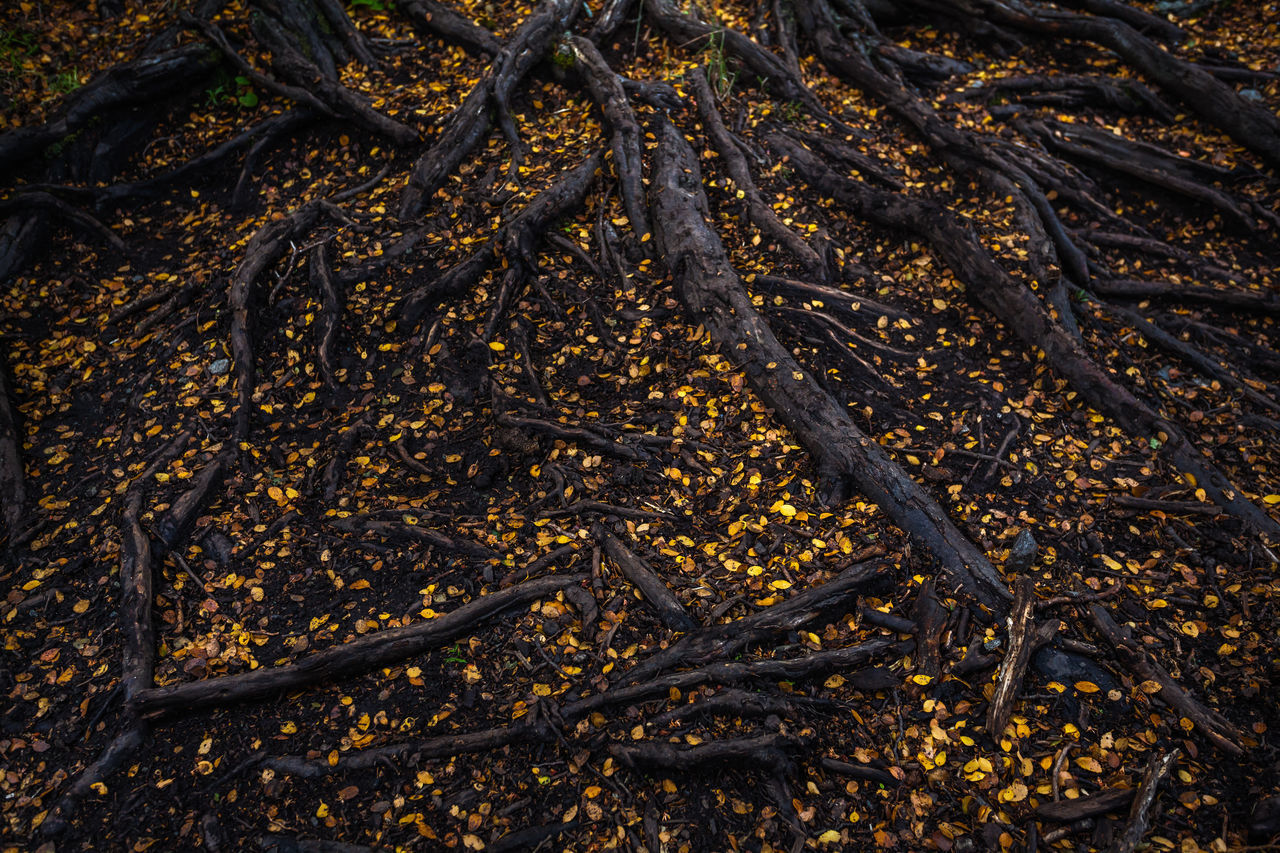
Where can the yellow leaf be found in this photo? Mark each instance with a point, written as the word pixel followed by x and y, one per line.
pixel 1087 687
pixel 829 837
pixel 80 606
pixel 922 679
pixel 289 727
pixel 1271 499
pixel 497 346
pixel 1087 762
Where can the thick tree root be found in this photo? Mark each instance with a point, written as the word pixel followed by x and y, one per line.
pixel 1074 90
pixel 516 239
pixel 846 458
pixel 1255 302
pixel 836 660
pixel 121 750
pixel 759 210
pixel 722 641
pixel 1090 805
pixel 959 247
pixel 1214 726
pixel 288 59
pixel 13 489
pixel 1252 125
pixel 365 654
pixel 146 80
pixel 469 123
pixel 437 19
pixel 264 249
pixel 138 657
pixel 772 752
pixel 656 593
pixel 624 141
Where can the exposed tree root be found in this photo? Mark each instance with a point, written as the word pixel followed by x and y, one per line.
pixel 1024 637
pixel 266 247
pixel 148 79
pixel 772 752
pixel 624 141
pixel 716 642
pixel 1214 726
pixel 1251 125
pixel 517 239
pixel 428 16
pixel 1027 317
pixel 365 654
pixel 760 212
pixel 469 123
pixel 656 593
pixel 310 42
pixel 1262 303
pixel 413 532
pixel 1158 769
pixel 12 480
pixel 846 458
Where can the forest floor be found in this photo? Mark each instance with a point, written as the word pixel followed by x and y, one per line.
pixel 386 488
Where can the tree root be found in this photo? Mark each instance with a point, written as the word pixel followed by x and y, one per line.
pixel 721 641
pixel 846 458
pixel 264 249
pixel 330 314
pixel 577 435
pixel 1074 90
pixel 359 656
pixel 1212 724
pixel 772 752
pixel 12 478
pixel 1158 769
pixel 148 79
pixel 842 660
pixel 524 730
pixel 656 593
pixel 321 81
pixel 1252 125
pixel 1192 355
pixel 432 18
pixel 407 530
pixel 1024 637
pixel 469 123
pixel 624 140
pixel 759 211
pixel 1256 302
pixel 958 246
pixel 517 239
